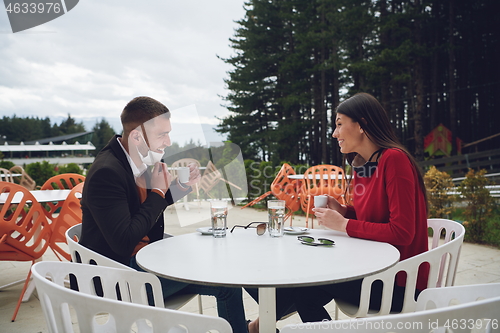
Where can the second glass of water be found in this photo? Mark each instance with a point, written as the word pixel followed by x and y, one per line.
pixel 218 212
pixel 276 213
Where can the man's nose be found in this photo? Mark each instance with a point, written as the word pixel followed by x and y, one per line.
pixel 167 141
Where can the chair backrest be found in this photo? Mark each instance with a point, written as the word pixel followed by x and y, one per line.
pixel 211 177
pixel 446 254
pixel 6 175
pixel 284 188
pixel 60 182
pixel 475 315
pixel 322 179
pixel 81 254
pixel 70 215
pixel 106 314
pixel 63 181
pixel 24 180
pixel 24 229
pixel 450 230
pixel 115 283
pixel 435 298
pixel 84 255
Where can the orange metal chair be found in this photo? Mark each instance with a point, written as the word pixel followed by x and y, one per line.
pixel 59 182
pixel 319 180
pixel 24 229
pixel 283 188
pixel 70 215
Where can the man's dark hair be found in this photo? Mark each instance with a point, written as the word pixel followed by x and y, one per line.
pixel 140 110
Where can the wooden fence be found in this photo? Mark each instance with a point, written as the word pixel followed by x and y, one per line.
pixel 457 166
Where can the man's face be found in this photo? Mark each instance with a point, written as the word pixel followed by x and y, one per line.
pixel 157 135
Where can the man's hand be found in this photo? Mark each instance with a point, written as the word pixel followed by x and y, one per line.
pixel 194 174
pixel 160 177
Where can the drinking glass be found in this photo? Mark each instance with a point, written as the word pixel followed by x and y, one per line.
pixel 276 213
pixel 218 211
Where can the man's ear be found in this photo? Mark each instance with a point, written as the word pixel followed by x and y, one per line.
pixel 135 137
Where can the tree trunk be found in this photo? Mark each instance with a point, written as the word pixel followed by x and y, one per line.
pixel 451 77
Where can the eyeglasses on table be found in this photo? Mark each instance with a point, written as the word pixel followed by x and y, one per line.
pixel 260 226
pixel 308 240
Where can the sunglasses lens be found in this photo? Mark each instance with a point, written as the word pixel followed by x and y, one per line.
pixel 326 241
pixel 306 239
pixel 261 229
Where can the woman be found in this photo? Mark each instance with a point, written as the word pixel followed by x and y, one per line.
pixel 389 202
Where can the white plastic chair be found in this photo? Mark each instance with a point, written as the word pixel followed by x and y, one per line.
pixel 435 298
pixel 106 314
pixel 82 254
pixel 459 318
pixel 439 257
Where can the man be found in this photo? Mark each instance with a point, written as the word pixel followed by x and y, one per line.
pixel 123 200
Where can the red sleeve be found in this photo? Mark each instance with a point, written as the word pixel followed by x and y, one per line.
pixel 393 196
pixel 350 213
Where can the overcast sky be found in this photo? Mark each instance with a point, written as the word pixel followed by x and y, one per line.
pixel 91 61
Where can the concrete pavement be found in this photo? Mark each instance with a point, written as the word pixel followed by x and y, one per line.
pixel 478 264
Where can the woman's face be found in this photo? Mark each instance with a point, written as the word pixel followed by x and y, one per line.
pixel 348 133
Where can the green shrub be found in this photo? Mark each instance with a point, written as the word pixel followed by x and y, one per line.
pixel 40 172
pixel 479 205
pixel 438 185
pixel 6 164
pixel 70 168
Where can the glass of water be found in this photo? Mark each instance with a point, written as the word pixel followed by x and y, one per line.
pixel 218 211
pixel 276 213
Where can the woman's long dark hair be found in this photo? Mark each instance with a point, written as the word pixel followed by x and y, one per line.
pixel 366 110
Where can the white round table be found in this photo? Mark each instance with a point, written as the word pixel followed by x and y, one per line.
pixel 40 196
pixel 244 259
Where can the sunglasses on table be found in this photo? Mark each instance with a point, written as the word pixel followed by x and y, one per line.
pixel 260 226
pixel 308 240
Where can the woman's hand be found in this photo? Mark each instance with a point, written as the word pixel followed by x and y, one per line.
pixel 331 218
pixel 335 205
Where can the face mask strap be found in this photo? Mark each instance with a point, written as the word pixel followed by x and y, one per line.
pixel 145 136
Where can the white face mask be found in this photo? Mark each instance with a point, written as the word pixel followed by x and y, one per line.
pixel 151 158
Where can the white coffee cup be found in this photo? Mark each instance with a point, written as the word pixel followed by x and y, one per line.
pixel 183 174
pixel 320 201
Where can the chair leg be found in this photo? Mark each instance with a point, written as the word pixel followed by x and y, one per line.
pixel 22 294
pixel 200 305
pixel 307 212
pixel 289 215
pixel 253 202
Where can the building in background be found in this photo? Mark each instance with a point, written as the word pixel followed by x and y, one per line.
pixel 55 150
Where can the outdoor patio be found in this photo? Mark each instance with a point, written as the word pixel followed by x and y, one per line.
pixel 478 264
